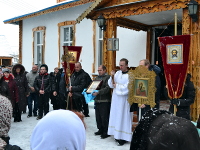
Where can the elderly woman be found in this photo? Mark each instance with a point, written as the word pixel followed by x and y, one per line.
pixel 8 88
pixel 59 129
pixel 5 121
pixel 18 72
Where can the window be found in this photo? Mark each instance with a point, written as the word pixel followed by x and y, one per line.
pixel 66 32
pixel 38 47
pixel 67 36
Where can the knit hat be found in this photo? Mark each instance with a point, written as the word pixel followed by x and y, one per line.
pixel 44 65
pixel 6 70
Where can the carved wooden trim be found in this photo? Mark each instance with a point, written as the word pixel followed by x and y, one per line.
pixel 50 10
pixel 20 41
pixel 189 27
pixel 94 45
pixel 65 23
pixel 137 8
pixel 127 23
pixel 58 1
pixel 43 47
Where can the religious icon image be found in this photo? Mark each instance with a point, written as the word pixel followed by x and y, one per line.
pixel 94 86
pixel 175 54
pixel 141 87
pixel 73 56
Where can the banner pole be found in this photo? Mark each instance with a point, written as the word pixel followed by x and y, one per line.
pixel 175 24
pixel 175 33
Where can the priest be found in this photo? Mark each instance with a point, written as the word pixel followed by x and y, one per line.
pixel 120 122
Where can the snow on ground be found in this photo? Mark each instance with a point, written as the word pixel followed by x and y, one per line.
pixel 20 133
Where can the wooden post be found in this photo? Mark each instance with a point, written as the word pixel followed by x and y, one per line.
pixel 109 57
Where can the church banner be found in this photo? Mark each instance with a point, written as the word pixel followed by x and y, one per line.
pixel 175 55
pixel 70 57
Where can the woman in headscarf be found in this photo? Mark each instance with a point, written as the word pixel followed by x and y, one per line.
pixel 161 130
pixel 59 129
pixel 18 72
pixel 8 88
pixel 5 121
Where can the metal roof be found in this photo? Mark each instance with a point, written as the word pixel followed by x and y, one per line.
pixel 16 20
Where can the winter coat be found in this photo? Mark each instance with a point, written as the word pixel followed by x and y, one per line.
pixel 105 91
pixel 160 130
pixel 157 70
pixel 184 102
pixel 78 83
pixel 9 90
pixel 55 80
pixel 62 87
pixel 43 82
pixel 22 85
pixel 31 78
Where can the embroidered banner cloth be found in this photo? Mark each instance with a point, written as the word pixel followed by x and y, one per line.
pixel 175 55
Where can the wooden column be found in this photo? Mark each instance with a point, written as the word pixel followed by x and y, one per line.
pixel 20 42
pixel 189 27
pixel 109 57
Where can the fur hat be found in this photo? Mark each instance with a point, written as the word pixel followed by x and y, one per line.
pixel 44 65
pixel 6 70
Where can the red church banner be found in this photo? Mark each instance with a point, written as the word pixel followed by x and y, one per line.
pixel 70 57
pixel 175 55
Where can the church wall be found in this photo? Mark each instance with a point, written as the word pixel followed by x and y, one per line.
pixel 50 21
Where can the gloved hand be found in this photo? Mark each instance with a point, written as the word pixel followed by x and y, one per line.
pixel 175 101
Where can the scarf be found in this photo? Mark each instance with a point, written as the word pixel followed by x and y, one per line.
pixel 5 119
pixel 59 129
pixel 8 78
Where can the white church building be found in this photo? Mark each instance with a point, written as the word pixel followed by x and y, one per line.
pixel 42 35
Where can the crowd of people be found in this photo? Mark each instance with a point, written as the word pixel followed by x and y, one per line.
pixel 112 110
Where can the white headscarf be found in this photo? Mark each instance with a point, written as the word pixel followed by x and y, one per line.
pixel 59 130
pixel 5 119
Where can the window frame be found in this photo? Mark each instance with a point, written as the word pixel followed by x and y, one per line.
pixel 61 27
pixel 41 30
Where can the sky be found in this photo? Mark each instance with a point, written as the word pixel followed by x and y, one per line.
pixel 9 34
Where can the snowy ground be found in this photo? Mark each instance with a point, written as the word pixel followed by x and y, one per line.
pixel 20 133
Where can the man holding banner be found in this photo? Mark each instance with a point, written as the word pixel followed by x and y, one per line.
pixel 183 103
pixel 78 83
pixel 179 87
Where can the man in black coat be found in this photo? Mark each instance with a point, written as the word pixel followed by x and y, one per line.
pixel 102 103
pixel 78 83
pixel 183 103
pixel 55 77
pixel 43 86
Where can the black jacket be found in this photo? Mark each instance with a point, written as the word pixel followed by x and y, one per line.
pixel 104 92
pixel 157 70
pixel 184 102
pixel 78 83
pixel 55 80
pixel 160 130
pixel 47 83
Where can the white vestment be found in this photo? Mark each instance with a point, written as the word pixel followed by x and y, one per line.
pixel 120 122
